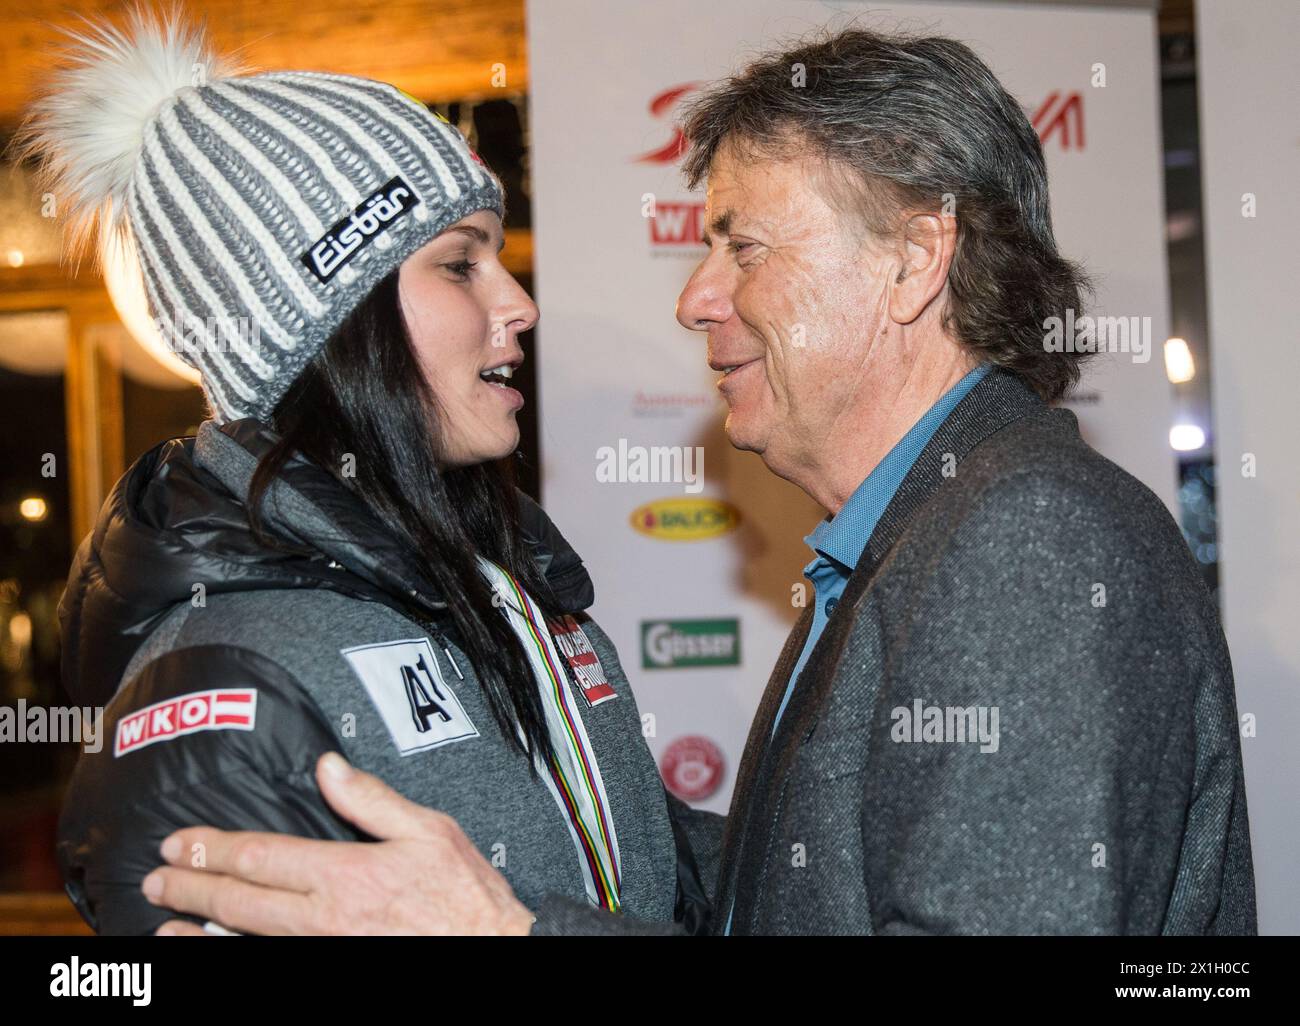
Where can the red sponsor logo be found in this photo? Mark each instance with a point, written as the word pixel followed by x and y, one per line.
pixel 1061 116
pixel 666 404
pixel 661 106
pixel 575 647
pixel 224 709
pixel 692 768
pixel 677 224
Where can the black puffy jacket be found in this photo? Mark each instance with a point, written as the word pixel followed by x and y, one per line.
pixel 173 597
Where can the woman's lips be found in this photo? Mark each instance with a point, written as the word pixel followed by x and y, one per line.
pixel 512 397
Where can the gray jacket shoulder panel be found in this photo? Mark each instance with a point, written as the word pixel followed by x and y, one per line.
pixel 476 775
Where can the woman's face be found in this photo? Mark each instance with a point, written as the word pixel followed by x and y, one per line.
pixel 464 313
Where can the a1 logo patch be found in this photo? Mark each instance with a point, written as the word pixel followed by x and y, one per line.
pixel 406 685
pixel 575 646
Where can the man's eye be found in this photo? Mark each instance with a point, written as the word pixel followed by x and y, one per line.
pixel 739 247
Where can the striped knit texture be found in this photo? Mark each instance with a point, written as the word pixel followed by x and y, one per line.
pixel 239 177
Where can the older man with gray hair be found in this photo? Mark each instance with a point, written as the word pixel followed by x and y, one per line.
pixel 1009 706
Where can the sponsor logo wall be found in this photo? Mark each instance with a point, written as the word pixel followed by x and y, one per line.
pixel 1249 79
pixel 685 567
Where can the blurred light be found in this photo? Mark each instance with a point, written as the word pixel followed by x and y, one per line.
pixel 1179 364
pixel 33 508
pixel 20 630
pixel 126 290
pixel 1182 225
pixel 15 257
pixel 1186 437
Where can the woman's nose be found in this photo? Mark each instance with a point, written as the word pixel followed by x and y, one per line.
pixel 517 311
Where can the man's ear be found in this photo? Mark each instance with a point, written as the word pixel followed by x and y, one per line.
pixel 929 240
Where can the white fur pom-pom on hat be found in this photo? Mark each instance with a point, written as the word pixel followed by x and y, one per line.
pixel 87 129
pixel 261 209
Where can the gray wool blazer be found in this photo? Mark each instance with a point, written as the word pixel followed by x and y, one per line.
pixel 1019 719
pixel 1041 580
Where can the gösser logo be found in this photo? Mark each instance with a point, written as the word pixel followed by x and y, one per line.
pixel 685 518
pixel 692 768
pixel 673 644
pixel 351 234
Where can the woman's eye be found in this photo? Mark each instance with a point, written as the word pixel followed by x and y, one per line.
pixel 460 268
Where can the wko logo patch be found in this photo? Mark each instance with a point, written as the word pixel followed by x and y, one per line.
pixel 679 644
pixel 223 709
pixel 685 518
pixel 407 687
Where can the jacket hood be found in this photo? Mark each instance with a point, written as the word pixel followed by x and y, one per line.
pixel 175 527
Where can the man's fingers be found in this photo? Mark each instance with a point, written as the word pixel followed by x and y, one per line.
pixel 180 928
pixel 271 860
pixel 235 904
pixel 368 803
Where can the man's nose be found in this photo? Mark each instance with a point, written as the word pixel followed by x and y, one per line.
pixel 705 301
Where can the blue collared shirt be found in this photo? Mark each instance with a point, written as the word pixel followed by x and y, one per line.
pixel 839 541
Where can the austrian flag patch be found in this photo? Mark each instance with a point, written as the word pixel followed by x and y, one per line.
pixel 222 709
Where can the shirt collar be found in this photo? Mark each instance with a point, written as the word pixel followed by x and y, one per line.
pixel 842 538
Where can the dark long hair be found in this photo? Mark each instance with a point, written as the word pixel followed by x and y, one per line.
pixel 365 395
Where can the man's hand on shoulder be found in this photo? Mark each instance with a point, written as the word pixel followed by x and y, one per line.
pixel 423 876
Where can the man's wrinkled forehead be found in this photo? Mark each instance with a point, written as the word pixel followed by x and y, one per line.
pixel 754 192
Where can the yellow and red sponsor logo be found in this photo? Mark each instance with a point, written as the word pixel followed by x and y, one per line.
pixel 685 518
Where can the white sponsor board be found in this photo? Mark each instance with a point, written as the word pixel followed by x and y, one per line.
pixel 616 369
pixel 1249 81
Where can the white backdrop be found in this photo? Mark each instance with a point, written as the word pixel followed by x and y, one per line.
pixel 1249 82
pixel 615 364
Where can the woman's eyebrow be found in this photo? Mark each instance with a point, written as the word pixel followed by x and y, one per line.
pixel 477 234
pixel 468 229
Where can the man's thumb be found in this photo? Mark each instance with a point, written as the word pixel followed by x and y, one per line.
pixel 366 801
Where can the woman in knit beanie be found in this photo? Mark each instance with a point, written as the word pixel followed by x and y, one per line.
pixel 338 561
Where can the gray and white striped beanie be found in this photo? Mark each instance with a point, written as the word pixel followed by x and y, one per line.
pixel 262 208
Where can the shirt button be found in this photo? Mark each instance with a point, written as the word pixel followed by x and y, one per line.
pixel 830 605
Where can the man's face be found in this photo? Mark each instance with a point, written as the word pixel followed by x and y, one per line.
pixel 792 295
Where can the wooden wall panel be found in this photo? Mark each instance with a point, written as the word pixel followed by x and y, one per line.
pixel 436 50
